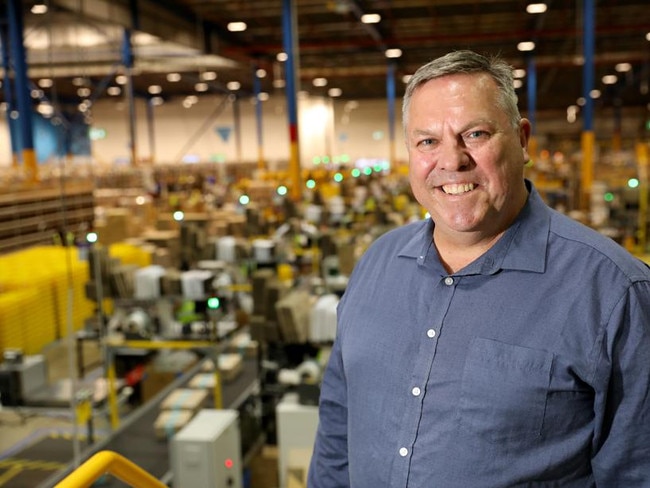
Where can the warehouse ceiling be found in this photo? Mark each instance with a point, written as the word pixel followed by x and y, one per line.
pixel 79 42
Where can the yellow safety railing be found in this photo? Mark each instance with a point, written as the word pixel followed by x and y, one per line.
pixel 109 462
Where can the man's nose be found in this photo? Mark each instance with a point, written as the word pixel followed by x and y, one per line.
pixel 454 156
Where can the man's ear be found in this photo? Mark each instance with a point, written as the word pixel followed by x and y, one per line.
pixel 524 137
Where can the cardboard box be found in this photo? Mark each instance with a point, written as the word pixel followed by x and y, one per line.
pixel 298 467
pixel 244 345
pixel 203 380
pixel 185 399
pixel 162 371
pixel 230 366
pixel 169 422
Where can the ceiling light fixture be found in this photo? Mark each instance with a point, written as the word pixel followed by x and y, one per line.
pixel 39 8
pixel 536 8
pixel 595 94
pixel 319 81
pixel 526 46
pixel 209 76
pixel 282 57
pixel 260 73
pixel 623 67
pixel 571 113
pixel 233 85
pixel 609 79
pixel 173 77
pixel 519 73
pixel 335 92
pixel 393 53
pixel 201 87
pixel 370 18
pixel 155 89
pixel 237 26
pixel 45 82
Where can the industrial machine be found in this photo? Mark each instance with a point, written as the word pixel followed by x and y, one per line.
pixel 206 453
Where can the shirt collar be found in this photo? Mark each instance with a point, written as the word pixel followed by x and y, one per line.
pixel 522 247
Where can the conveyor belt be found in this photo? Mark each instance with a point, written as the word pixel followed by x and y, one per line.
pixel 135 439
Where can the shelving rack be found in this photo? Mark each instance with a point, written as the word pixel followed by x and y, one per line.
pixel 37 216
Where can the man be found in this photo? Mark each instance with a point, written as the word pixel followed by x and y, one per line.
pixel 498 343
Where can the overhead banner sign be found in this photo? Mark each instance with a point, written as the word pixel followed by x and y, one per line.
pixel 224 132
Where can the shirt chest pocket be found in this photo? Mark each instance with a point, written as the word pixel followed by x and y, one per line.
pixel 504 391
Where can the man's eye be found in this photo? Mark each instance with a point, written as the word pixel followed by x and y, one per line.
pixel 425 143
pixel 478 134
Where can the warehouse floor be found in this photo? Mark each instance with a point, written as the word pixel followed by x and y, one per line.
pixel 35 443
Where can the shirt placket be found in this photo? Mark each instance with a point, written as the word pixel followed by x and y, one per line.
pixel 430 320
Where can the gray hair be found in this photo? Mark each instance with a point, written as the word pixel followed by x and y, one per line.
pixel 467 62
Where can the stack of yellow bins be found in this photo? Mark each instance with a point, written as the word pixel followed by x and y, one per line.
pixel 41 289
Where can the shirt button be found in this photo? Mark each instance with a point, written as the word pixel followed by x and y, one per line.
pixel 431 333
pixel 449 281
pixel 415 391
pixel 403 452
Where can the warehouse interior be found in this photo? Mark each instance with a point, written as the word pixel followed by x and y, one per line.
pixel 186 186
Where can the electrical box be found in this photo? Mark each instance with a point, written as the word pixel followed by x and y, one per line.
pixel 21 380
pixel 206 453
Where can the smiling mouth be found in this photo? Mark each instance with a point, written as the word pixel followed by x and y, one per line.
pixel 458 188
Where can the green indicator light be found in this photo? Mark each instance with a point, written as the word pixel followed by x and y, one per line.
pixel 338 177
pixel 609 197
pixel 213 303
pixel 310 184
pixel 355 173
pixel 367 171
pixel 633 183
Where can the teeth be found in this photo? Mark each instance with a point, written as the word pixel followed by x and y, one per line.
pixel 457 189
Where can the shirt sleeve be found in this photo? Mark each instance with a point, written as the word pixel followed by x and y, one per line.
pixel 621 450
pixel 329 463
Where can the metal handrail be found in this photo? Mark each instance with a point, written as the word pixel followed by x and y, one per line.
pixel 109 462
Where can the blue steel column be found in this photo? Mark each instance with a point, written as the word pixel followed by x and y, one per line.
pixel 237 124
pixel 151 131
pixel 127 60
pixel 390 94
pixel 9 96
pixel 532 105
pixel 257 89
pixel 588 139
pixel 291 68
pixel 23 100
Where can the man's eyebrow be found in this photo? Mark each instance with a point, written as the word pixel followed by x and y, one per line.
pixel 474 123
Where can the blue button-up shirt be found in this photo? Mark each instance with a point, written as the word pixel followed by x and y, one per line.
pixel 529 367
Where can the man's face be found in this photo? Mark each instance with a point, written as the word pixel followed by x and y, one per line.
pixel 466 160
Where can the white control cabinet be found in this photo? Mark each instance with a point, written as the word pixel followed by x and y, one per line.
pixel 297 425
pixel 206 453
